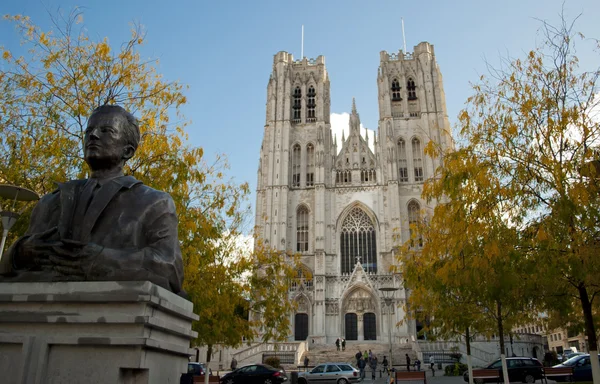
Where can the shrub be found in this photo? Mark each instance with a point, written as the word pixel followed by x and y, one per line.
pixel 273 361
pixel 456 369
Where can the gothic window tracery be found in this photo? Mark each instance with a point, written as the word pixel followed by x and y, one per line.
pixel 411 88
pixel 368 176
pixel 417 159
pixel 302 229
pixel 310 165
pixel 296 158
pixel 414 214
pixel 310 105
pixel 396 90
pixel 357 241
pixel 343 177
pixel 297 105
pixel 402 161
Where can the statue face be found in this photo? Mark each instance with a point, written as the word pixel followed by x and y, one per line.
pixel 104 140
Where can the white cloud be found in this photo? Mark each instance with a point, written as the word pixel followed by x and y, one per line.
pixel 339 123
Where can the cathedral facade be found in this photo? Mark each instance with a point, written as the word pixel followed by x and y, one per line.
pixel 345 210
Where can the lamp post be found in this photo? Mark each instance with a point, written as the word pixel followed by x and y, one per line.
pixel 9 217
pixel 388 297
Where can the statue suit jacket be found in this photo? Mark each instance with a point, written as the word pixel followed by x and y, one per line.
pixel 136 225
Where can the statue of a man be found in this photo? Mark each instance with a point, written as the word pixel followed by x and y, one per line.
pixel 108 227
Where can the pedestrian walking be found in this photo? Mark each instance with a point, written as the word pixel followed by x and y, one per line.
pixel 233 364
pixel 343 344
pixel 407 362
pixel 385 364
pixel 373 363
pixel 362 363
pixel 337 343
pixel 432 362
pixel 418 363
pixel 366 356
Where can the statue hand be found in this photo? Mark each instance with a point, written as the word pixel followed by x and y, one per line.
pixel 35 249
pixel 73 258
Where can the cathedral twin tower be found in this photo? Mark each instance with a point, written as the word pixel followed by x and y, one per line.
pixel 342 209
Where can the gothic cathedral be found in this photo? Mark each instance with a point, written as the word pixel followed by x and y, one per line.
pixel 345 210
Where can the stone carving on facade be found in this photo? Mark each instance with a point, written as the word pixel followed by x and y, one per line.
pixel 359 301
pixel 332 307
pixel 358 276
pixel 303 304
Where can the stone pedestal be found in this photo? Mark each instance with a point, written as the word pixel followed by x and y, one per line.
pixel 93 332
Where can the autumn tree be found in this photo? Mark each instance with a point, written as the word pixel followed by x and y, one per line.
pixel 534 121
pixel 468 274
pixel 45 98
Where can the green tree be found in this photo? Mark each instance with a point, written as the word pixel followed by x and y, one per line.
pixel 534 121
pixel 45 99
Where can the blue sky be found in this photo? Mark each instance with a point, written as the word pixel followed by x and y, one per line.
pixel 223 50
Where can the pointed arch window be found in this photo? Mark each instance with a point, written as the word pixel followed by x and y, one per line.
pixel 296 158
pixel 411 88
pixel 310 165
pixel 311 104
pixel 396 90
pixel 417 159
pixel 402 161
pixel 302 229
pixel 357 242
pixel 297 105
pixel 414 214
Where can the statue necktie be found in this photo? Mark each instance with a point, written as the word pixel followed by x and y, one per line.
pixel 82 205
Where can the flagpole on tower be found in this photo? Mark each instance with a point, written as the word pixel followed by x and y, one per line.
pixel 403 37
pixel 302 48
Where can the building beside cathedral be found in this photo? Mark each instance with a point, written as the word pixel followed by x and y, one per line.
pixel 344 210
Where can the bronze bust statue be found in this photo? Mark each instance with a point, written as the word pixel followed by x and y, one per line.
pixel 108 227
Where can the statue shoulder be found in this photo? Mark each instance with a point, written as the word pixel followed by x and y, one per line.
pixel 154 196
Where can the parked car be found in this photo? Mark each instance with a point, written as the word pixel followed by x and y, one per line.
pixel 337 373
pixel 582 369
pixel 523 369
pixel 255 374
pixel 198 369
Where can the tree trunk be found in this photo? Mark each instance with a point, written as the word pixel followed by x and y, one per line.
pixel 469 362
pixel 207 370
pixel 501 336
pixel 590 331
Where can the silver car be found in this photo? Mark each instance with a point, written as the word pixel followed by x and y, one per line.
pixel 338 373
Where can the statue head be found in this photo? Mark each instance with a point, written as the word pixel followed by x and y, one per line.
pixel 111 137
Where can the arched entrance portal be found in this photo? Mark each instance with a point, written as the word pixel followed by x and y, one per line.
pixel 351 326
pixel 370 326
pixel 360 310
pixel 301 327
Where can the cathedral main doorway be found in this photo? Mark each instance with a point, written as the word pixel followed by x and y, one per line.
pixel 359 310
pixel 301 327
pixel 351 326
pixel 370 326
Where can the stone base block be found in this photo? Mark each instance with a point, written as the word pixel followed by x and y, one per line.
pixel 93 332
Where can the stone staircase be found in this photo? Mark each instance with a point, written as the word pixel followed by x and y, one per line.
pixel 320 353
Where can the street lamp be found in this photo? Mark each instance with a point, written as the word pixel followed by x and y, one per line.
pixel 9 217
pixel 388 297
